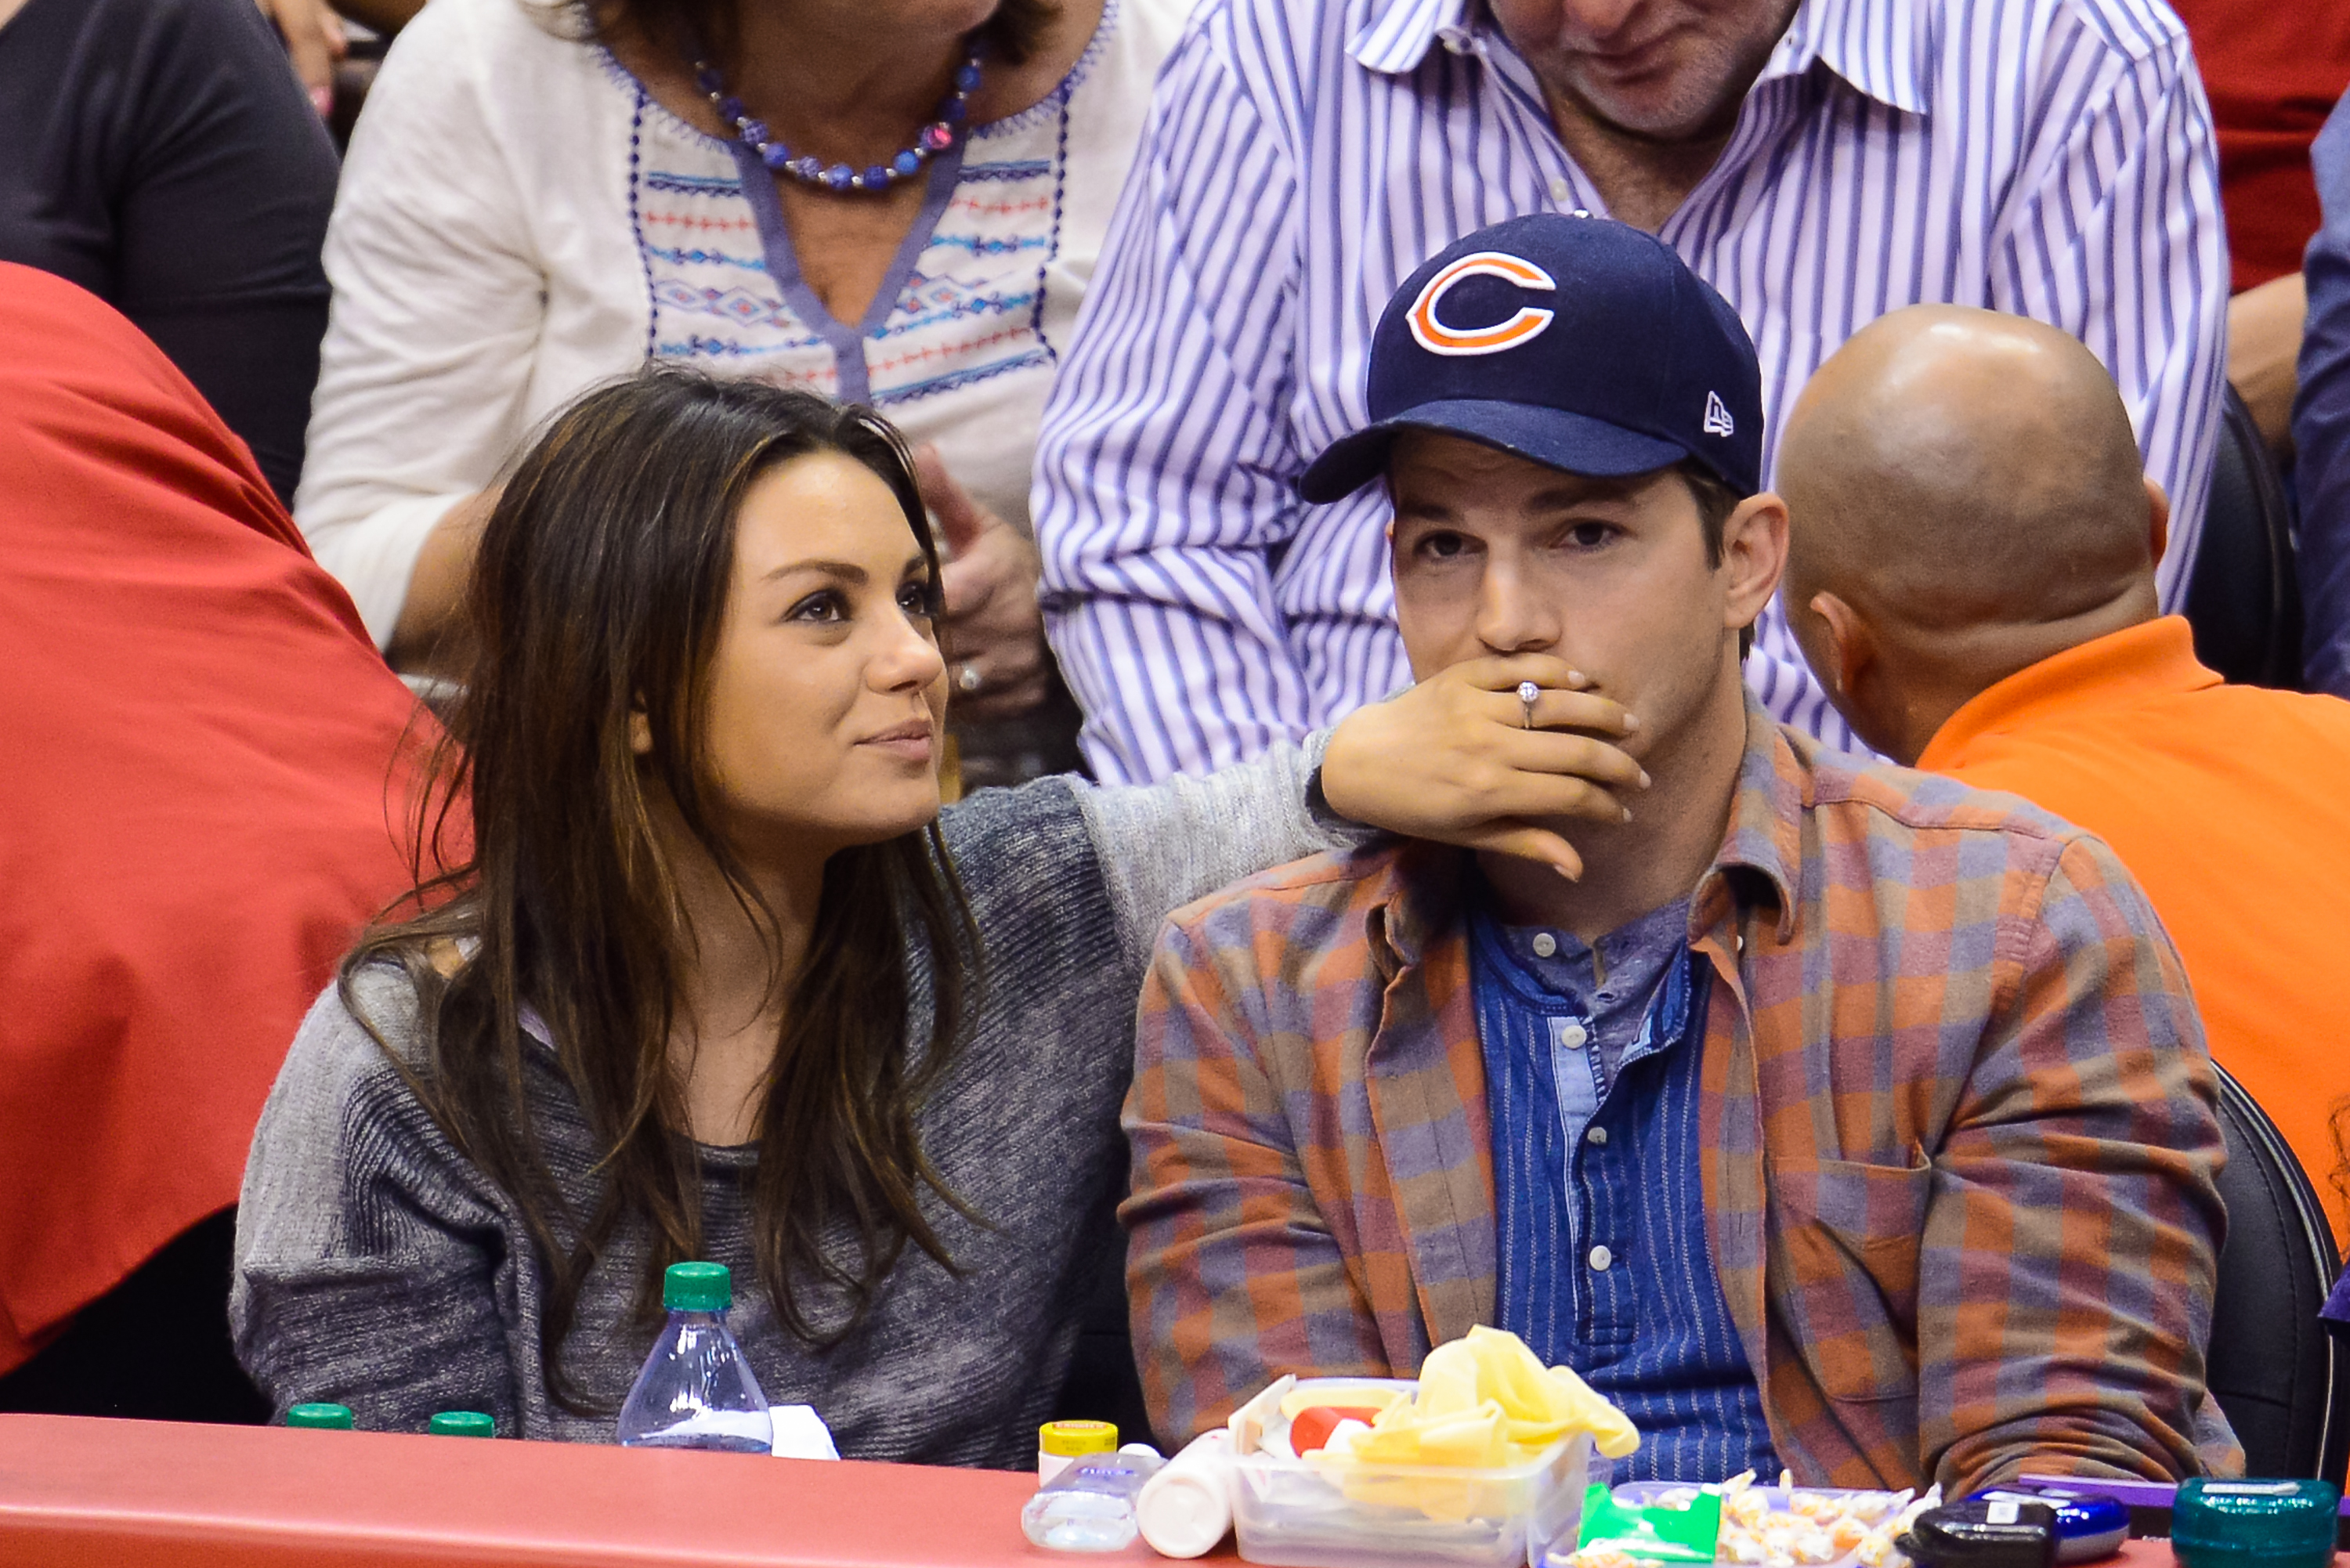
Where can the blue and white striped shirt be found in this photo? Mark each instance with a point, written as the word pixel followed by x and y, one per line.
pixel 2051 158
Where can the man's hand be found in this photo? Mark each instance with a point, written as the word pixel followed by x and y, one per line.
pixel 313 42
pixel 1451 760
pixel 994 634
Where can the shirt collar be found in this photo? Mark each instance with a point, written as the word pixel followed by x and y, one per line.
pixel 1873 45
pixel 2120 669
pixel 1758 858
pixel 1878 46
pixel 1399 36
pixel 1763 847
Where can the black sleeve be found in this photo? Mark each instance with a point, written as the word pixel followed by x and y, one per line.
pixel 177 169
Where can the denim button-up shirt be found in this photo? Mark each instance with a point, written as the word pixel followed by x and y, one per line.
pixel 1599 1198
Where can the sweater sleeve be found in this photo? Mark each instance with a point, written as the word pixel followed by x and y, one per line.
pixel 1163 845
pixel 370 1259
pixel 438 302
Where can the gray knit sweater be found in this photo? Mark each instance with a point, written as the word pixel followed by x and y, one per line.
pixel 379 1269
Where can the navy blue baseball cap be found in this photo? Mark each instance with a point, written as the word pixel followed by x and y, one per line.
pixel 1581 344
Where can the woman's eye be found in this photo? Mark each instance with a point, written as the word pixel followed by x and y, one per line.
pixel 919 601
pixel 825 606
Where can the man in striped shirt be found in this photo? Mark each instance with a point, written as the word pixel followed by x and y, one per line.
pixel 1833 1115
pixel 1819 164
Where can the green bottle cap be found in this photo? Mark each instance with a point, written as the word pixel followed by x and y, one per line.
pixel 697 1287
pixel 321 1418
pixel 2267 1521
pixel 462 1424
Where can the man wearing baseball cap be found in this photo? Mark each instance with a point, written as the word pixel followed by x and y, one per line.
pixel 1822 1114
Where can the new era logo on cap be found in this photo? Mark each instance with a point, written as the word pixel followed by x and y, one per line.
pixel 1718 421
pixel 1578 343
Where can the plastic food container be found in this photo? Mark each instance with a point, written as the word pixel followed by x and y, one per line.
pixel 1290 1513
pixel 1884 1506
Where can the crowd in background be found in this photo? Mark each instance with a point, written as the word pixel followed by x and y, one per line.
pixel 1119 272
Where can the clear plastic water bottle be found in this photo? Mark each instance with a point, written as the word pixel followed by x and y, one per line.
pixel 696 1390
pixel 1090 1506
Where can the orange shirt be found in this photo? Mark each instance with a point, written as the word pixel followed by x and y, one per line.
pixel 2231 804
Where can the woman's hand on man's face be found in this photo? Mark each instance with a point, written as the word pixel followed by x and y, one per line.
pixel 993 628
pixel 1453 759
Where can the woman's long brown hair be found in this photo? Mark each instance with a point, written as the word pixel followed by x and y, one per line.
pixel 600 588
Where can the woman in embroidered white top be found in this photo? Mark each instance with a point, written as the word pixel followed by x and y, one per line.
pixel 893 202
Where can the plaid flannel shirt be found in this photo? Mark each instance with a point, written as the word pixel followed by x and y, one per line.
pixel 1959 1127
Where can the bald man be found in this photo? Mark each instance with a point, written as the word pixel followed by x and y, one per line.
pixel 1972 576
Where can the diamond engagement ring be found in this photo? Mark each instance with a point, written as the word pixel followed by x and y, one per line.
pixel 970 680
pixel 1527 693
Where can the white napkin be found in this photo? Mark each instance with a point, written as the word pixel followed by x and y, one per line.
pixel 801 1433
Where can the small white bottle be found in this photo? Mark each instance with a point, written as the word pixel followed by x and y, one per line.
pixel 1060 1444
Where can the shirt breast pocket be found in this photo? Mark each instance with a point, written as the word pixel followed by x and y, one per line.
pixel 1843 1249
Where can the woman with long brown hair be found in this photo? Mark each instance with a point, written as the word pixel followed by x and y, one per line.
pixel 720 981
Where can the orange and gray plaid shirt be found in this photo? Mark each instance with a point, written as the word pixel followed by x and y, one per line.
pixel 1960 1132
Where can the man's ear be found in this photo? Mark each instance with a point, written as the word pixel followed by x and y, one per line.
pixel 1754 552
pixel 2158 529
pixel 1851 650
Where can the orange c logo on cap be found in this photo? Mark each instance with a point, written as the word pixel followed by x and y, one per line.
pixel 1438 338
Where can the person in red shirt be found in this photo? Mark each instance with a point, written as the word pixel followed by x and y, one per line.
pixel 197 811
pixel 2273 73
pixel 1972 576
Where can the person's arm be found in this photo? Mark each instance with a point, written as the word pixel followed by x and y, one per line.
pixel 1164 463
pixel 1234 1275
pixel 1449 758
pixel 2263 342
pixel 2321 422
pixel 2069 1247
pixel 367 1259
pixel 219 218
pixel 2119 241
pixel 439 300
pixel 315 44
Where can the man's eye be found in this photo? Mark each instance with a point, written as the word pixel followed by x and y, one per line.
pixel 1590 536
pixel 1442 546
pixel 823 606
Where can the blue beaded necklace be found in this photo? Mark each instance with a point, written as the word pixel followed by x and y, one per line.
pixel 950 124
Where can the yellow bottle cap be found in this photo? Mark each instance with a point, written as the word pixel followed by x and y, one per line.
pixel 1074 1440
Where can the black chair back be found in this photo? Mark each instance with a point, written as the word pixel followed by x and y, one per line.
pixel 2244 600
pixel 2273 1368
